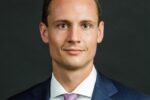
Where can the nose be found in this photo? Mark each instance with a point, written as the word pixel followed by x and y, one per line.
pixel 74 35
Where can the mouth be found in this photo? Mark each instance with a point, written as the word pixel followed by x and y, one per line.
pixel 73 51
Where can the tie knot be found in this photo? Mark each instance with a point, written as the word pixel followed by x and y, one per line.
pixel 70 96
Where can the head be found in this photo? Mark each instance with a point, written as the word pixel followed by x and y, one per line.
pixel 72 29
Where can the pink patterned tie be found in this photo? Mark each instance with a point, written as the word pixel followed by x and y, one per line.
pixel 71 96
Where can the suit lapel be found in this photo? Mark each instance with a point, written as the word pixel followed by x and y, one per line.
pixel 42 92
pixel 104 88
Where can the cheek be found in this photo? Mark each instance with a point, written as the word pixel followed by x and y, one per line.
pixel 92 48
pixel 91 37
pixel 55 38
pixel 54 44
pixel 91 41
pixel 56 41
pixel 54 49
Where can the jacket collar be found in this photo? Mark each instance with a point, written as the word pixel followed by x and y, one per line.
pixel 104 88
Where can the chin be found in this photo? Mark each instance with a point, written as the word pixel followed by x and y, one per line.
pixel 73 66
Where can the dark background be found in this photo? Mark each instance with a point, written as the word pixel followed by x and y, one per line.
pixel 124 54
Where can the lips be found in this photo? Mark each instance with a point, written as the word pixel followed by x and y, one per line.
pixel 73 51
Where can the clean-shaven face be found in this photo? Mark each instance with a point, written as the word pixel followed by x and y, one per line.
pixel 72 33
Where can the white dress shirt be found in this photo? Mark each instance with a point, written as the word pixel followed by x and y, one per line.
pixel 84 89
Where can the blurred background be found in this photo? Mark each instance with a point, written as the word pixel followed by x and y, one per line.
pixel 124 54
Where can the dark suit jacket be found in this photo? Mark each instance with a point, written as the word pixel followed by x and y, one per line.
pixel 105 89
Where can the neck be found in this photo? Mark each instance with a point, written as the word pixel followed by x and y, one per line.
pixel 70 79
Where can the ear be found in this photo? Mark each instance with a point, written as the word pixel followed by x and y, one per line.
pixel 100 32
pixel 43 32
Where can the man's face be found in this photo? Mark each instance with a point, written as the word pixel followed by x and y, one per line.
pixel 72 33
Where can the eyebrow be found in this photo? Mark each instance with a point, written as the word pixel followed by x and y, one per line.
pixel 88 21
pixel 62 20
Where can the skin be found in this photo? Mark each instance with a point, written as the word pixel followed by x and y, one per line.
pixel 72 35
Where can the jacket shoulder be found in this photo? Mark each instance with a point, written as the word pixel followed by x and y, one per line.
pixel 116 90
pixel 127 93
pixel 36 92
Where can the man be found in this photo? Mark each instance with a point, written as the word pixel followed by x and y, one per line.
pixel 72 29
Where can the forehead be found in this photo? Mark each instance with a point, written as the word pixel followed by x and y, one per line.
pixel 60 2
pixel 73 8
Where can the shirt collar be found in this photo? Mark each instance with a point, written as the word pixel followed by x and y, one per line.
pixel 83 88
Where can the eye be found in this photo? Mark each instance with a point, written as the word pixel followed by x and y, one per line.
pixel 86 26
pixel 62 26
